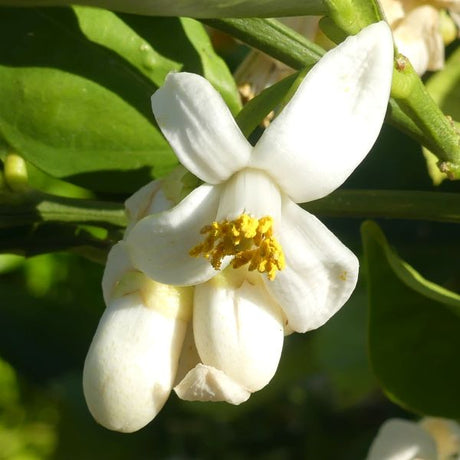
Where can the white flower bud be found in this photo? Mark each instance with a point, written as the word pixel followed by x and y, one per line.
pixel 132 361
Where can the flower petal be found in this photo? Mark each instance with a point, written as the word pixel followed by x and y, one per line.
pixel 131 364
pixel 147 200
pixel 334 118
pixel 118 263
pixel 200 128
pixel 400 439
pixel 159 244
pixel 249 192
pixel 320 272
pixel 205 383
pixel 238 328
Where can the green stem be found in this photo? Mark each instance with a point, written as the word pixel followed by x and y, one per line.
pixel 35 207
pixel 390 204
pixel 439 134
pixel 273 38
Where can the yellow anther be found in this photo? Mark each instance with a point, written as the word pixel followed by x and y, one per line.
pixel 248 240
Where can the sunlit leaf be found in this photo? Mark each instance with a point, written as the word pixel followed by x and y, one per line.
pixel 76 86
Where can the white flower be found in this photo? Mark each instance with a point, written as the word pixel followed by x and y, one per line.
pixel 132 362
pixel 419 30
pixel 430 439
pixel 281 267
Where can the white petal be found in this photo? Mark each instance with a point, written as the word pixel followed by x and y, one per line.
pixel 131 364
pixel 250 192
pixel 320 272
pixel 200 128
pixel 334 118
pixel 205 383
pixel 118 264
pixel 238 329
pixel 147 200
pixel 402 440
pixel 159 244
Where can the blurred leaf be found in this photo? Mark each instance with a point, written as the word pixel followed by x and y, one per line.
pixel 9 391
pixel 414 331
pixel 76 86
pixel 10 262
pixel 340 348
pixel 49 237
pixel 26 426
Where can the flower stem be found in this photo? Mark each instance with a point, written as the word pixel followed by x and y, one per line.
pixel 33 207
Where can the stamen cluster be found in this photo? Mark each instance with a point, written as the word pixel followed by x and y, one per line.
pixel 248 240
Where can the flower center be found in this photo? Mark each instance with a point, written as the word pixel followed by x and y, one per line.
pixel 248 240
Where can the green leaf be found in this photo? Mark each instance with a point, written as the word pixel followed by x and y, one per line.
pixel 414 331
pixel 145 43
pixel 77 112
pixel 132 39
pixel 214 68
pixel 340 351
pixel 76 87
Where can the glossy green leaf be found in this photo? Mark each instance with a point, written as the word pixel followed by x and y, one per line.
pixel 76 86
pixel 414 331
pixel 145 43
pixel 74 108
